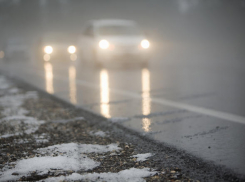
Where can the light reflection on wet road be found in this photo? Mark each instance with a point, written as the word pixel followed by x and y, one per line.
pixel 179 102
pixel 49 77
pixel 104 94
pixel 72 84
pixel 146 105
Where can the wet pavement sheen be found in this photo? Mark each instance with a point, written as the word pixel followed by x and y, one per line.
pixel 195 103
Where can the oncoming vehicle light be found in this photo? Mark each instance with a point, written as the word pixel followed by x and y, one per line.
pixel 71 49
pixel 145 44
pixel 104 44
pixel 48 49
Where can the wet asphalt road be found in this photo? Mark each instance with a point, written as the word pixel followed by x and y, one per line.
pixel 191 96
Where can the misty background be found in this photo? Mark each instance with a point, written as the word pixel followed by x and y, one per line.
pixel 162 20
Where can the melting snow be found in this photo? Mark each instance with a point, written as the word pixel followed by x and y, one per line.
pixel 44 164
pixel 142 157
pixel 21 124
pixel 21 141
pixel 98 133
pixel 13 111
pixel 13 91
pixel 41 138
pixel 15 115
pixel 128 175
pixel 4 84
pixel 15 101
pixel 12 103
pixel 69 157
pixel 82 148
pixel 6 135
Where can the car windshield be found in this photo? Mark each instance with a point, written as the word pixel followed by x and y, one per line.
pixel 115 30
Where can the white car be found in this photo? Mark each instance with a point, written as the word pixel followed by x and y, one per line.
pixel 110 41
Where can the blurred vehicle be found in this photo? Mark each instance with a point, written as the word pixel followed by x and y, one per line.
pixel 15 49
pixel 110 41
pixel 57 46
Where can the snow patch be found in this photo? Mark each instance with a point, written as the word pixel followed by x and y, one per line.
pixel 21 141
pixel 44 164
pixel 14 91
pixel 98 133
pixel 21 124
pixel 15 116
pixel 43 138
pixel 142 157
pixel 81 148
pixel 4 84
pixel 10 112
pixel 12 103
pixel 128 175
pixel 68 157
pixel 6 135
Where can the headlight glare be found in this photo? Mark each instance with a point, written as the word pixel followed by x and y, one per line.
pixel 104 44
pixel 145 44
pixel 71 49
pixel 48 49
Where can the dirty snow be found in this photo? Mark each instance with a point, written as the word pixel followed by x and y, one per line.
pixel 69 157
pixel 12 104
pixel 21 124
pixel 81 148
pixel 21 141
pixel 142 157
pixel 43 138
pixel 15 101
pixel 44 164
pixel 13 91
pixel 13 114
pixel 128 175
pixel 4 84
pixel 98 133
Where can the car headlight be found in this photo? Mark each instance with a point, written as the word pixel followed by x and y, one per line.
pixel 145 44
pixel 71 49
pixel 104 44
pixel 48 49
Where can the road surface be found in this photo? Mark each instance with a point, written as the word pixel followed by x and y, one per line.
pixel 190 97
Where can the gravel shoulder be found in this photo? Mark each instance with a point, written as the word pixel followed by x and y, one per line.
pixel 43 138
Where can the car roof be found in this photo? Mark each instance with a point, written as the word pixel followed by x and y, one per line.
pixel 107 22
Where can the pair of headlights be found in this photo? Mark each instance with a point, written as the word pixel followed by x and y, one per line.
pixel 104 44
pixel 49 49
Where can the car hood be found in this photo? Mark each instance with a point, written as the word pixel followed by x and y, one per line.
pixel 123 40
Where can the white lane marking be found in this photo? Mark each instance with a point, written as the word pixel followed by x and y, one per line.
pixel 165 102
